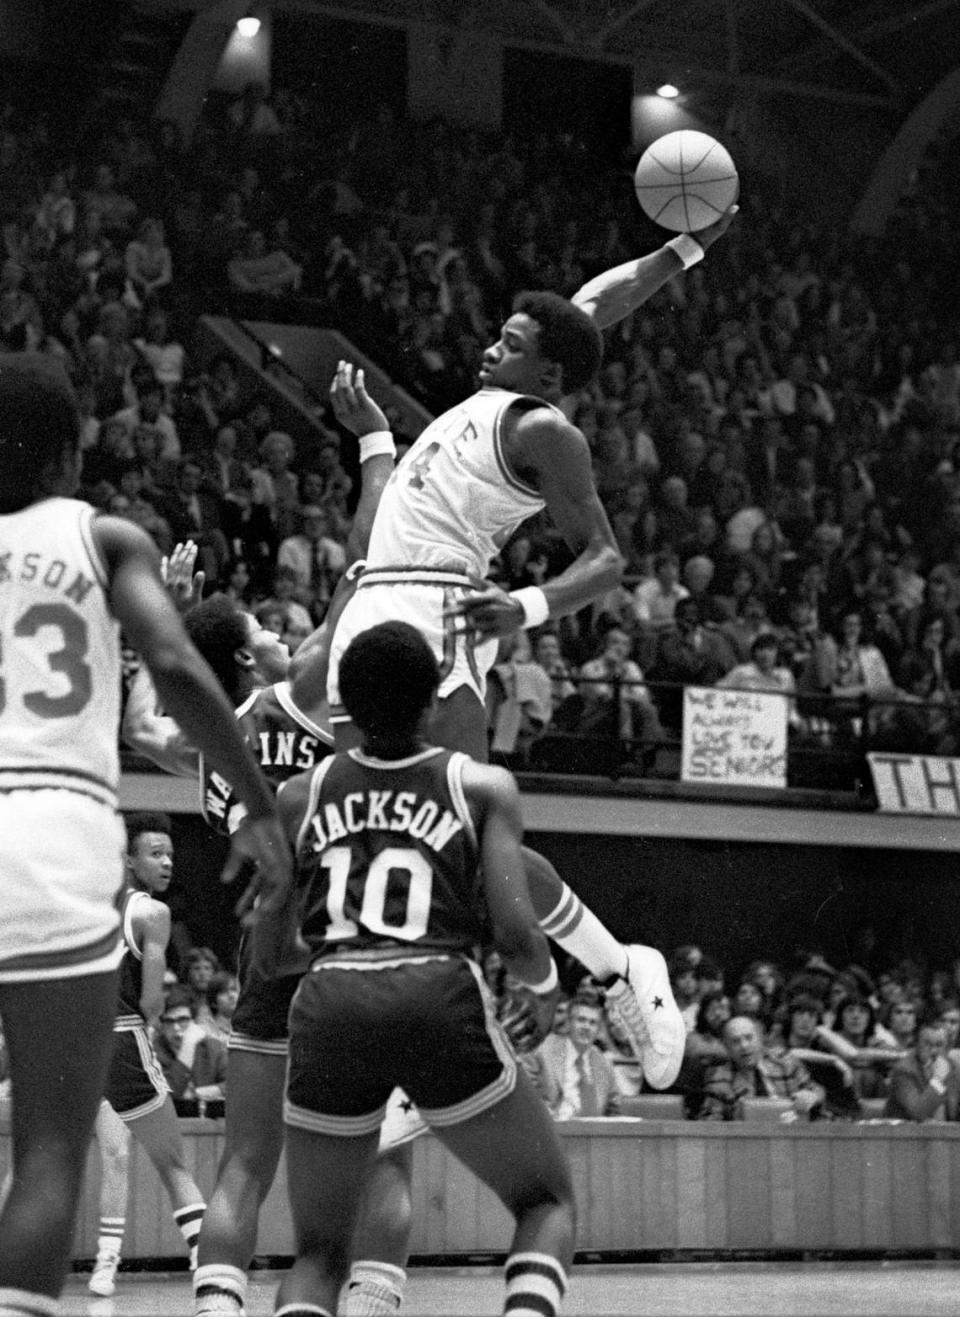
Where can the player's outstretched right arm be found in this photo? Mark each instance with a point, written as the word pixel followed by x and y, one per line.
pixel 495 800
pixel 189 690
pixel 616 293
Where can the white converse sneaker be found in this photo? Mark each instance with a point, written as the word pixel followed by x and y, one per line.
pixel 103 1279
pixel 642 1004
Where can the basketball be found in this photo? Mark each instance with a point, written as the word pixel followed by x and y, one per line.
pixel 686 180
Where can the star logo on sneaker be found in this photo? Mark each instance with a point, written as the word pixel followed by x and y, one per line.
pixel 658 1003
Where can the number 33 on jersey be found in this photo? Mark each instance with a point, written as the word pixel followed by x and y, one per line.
pixel 59 724
pixel 387 854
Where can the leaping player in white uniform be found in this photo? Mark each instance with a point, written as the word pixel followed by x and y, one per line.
pixel 474 475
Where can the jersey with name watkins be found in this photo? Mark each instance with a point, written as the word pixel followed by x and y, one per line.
pixel 387 853
pixel 284 740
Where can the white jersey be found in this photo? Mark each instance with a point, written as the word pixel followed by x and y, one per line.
pixel 59 654
pixel 452 502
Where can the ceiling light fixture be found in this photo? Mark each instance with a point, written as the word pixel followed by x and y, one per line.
pixel 668 91
pixel 248 26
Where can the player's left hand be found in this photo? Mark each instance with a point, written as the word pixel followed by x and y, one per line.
pixel 184 584
pixel 487 613
pixel 352 405
pixel 260 850
pixel 527 1017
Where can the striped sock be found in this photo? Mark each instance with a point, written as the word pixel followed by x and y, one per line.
pixel 375 1289
pixel 219 1288
pixel 536 1283
pixel 110 1237
pixel 189 1220
pixel 22 1303
pixel 579 931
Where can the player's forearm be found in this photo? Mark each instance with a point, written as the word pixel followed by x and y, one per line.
pixel 151 992
pixel 153 734
pixel 593 574
pixel 374 472
pixel 525 953
pixel 187 687
pixel 616 293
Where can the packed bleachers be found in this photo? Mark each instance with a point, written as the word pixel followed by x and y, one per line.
pixel 774 435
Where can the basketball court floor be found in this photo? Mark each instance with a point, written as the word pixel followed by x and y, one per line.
pixel 726 1289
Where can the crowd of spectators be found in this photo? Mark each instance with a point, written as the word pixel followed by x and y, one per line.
pixel 775 434
pixel 805 1041
pixel 194 1026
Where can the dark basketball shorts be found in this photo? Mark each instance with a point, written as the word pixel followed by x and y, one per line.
pixel 136 1084
pixel 359 1028
pixel 259 1021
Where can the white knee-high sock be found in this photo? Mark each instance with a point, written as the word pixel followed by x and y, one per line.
pixel 110 1237
pixel 189 1219
pixel 375 1289
pixel 578 930
pixel 219 1288
pixel 536 1283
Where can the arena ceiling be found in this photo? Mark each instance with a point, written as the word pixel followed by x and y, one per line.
pixel 883 53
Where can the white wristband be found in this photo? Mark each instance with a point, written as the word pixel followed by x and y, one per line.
pixel 938 1086
pixel 686 248
pixel 375 443
pixel 547 985
pixel 533 601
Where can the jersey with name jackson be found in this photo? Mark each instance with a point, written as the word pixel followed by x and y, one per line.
pixel 284 740
pixel 387 854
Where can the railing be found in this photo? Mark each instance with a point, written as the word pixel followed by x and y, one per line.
pixel 827 743
pixel 828 737
pixel 272 363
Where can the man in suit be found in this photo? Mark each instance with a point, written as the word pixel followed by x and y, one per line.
pixel 571 1073
pixel 195 512
pixel 926 1085
pixel 316 558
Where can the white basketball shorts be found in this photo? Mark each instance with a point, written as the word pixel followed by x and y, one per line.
pixel 61 861
pixel 422 604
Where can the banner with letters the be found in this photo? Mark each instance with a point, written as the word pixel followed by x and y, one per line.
pixel 916 784
pixel 734 738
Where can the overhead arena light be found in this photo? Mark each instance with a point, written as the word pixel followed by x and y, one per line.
pixel 248 26
pixel 668 91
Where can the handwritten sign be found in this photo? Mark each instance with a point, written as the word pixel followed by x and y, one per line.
pixel 738 738
pixel 916 784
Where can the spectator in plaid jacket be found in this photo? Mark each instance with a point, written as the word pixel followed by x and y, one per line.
pixel 752 1071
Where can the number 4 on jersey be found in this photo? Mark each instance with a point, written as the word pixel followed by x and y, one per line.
pixel 419 468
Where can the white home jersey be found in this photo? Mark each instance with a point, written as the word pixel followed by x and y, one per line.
pixel 59 654
pixel 452 502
